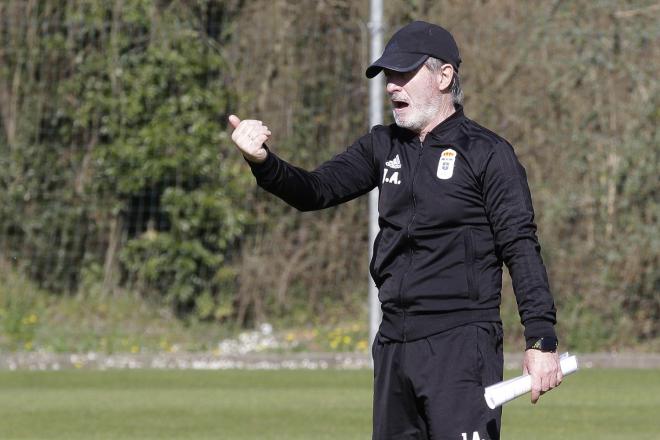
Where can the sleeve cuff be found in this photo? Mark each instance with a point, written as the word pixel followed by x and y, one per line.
pixel 538 329
pixel 264 168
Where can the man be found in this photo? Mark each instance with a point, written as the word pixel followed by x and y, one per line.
pixel 454 205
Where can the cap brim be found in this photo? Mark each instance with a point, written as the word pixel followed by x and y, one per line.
pixel 399 62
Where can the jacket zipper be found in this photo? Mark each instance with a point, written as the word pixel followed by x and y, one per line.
pixel 411 251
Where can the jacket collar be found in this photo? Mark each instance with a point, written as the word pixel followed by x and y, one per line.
pixel 446 130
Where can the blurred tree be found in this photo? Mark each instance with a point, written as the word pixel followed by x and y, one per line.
pixel 120 160
pixel 115 160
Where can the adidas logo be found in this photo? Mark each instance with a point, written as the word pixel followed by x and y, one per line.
pixel 394 163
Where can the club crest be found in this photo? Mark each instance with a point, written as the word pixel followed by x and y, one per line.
pixel 446 164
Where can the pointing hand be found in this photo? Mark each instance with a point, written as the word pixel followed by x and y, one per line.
pixel 249 136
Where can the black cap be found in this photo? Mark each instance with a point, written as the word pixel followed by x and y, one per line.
pixel 411 45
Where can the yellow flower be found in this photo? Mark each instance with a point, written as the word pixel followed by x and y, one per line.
pixel 28 345
pixel 135 349
pixel 362 345
pixel 290 337
pixel 347 340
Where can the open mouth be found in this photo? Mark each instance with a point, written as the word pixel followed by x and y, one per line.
pixel 399 104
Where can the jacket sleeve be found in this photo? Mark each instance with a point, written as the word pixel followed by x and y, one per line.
pixel 509 208
pixel 344 177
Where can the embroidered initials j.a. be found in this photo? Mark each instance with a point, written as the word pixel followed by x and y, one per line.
pixel 394 178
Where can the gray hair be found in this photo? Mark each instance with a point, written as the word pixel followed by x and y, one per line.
pixel 435 65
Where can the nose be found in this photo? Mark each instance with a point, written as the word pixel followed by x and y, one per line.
pixel 391 87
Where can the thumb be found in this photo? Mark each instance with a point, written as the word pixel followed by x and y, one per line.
pixel 234 121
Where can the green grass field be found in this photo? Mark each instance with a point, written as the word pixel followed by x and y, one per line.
pixel 593 404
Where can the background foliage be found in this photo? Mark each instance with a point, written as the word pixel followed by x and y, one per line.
pixel 117 174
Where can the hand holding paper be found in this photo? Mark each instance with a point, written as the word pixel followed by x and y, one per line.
pixel 502 392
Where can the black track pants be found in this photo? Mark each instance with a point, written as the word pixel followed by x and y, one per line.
pixel 433 388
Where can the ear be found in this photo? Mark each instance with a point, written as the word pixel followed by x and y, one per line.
pixel 444 77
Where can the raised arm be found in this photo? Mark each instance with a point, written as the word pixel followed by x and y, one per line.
pixel 344 177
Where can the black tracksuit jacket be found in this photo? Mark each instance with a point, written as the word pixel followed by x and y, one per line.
pixel 452 209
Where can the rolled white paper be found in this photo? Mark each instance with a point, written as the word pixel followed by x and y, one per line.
pixel 503 392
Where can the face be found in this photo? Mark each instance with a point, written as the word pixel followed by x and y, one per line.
pixel 415 97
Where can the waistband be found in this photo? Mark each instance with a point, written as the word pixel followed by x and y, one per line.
pixel 402 326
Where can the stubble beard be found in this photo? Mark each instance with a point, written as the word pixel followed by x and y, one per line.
pixel 421 115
